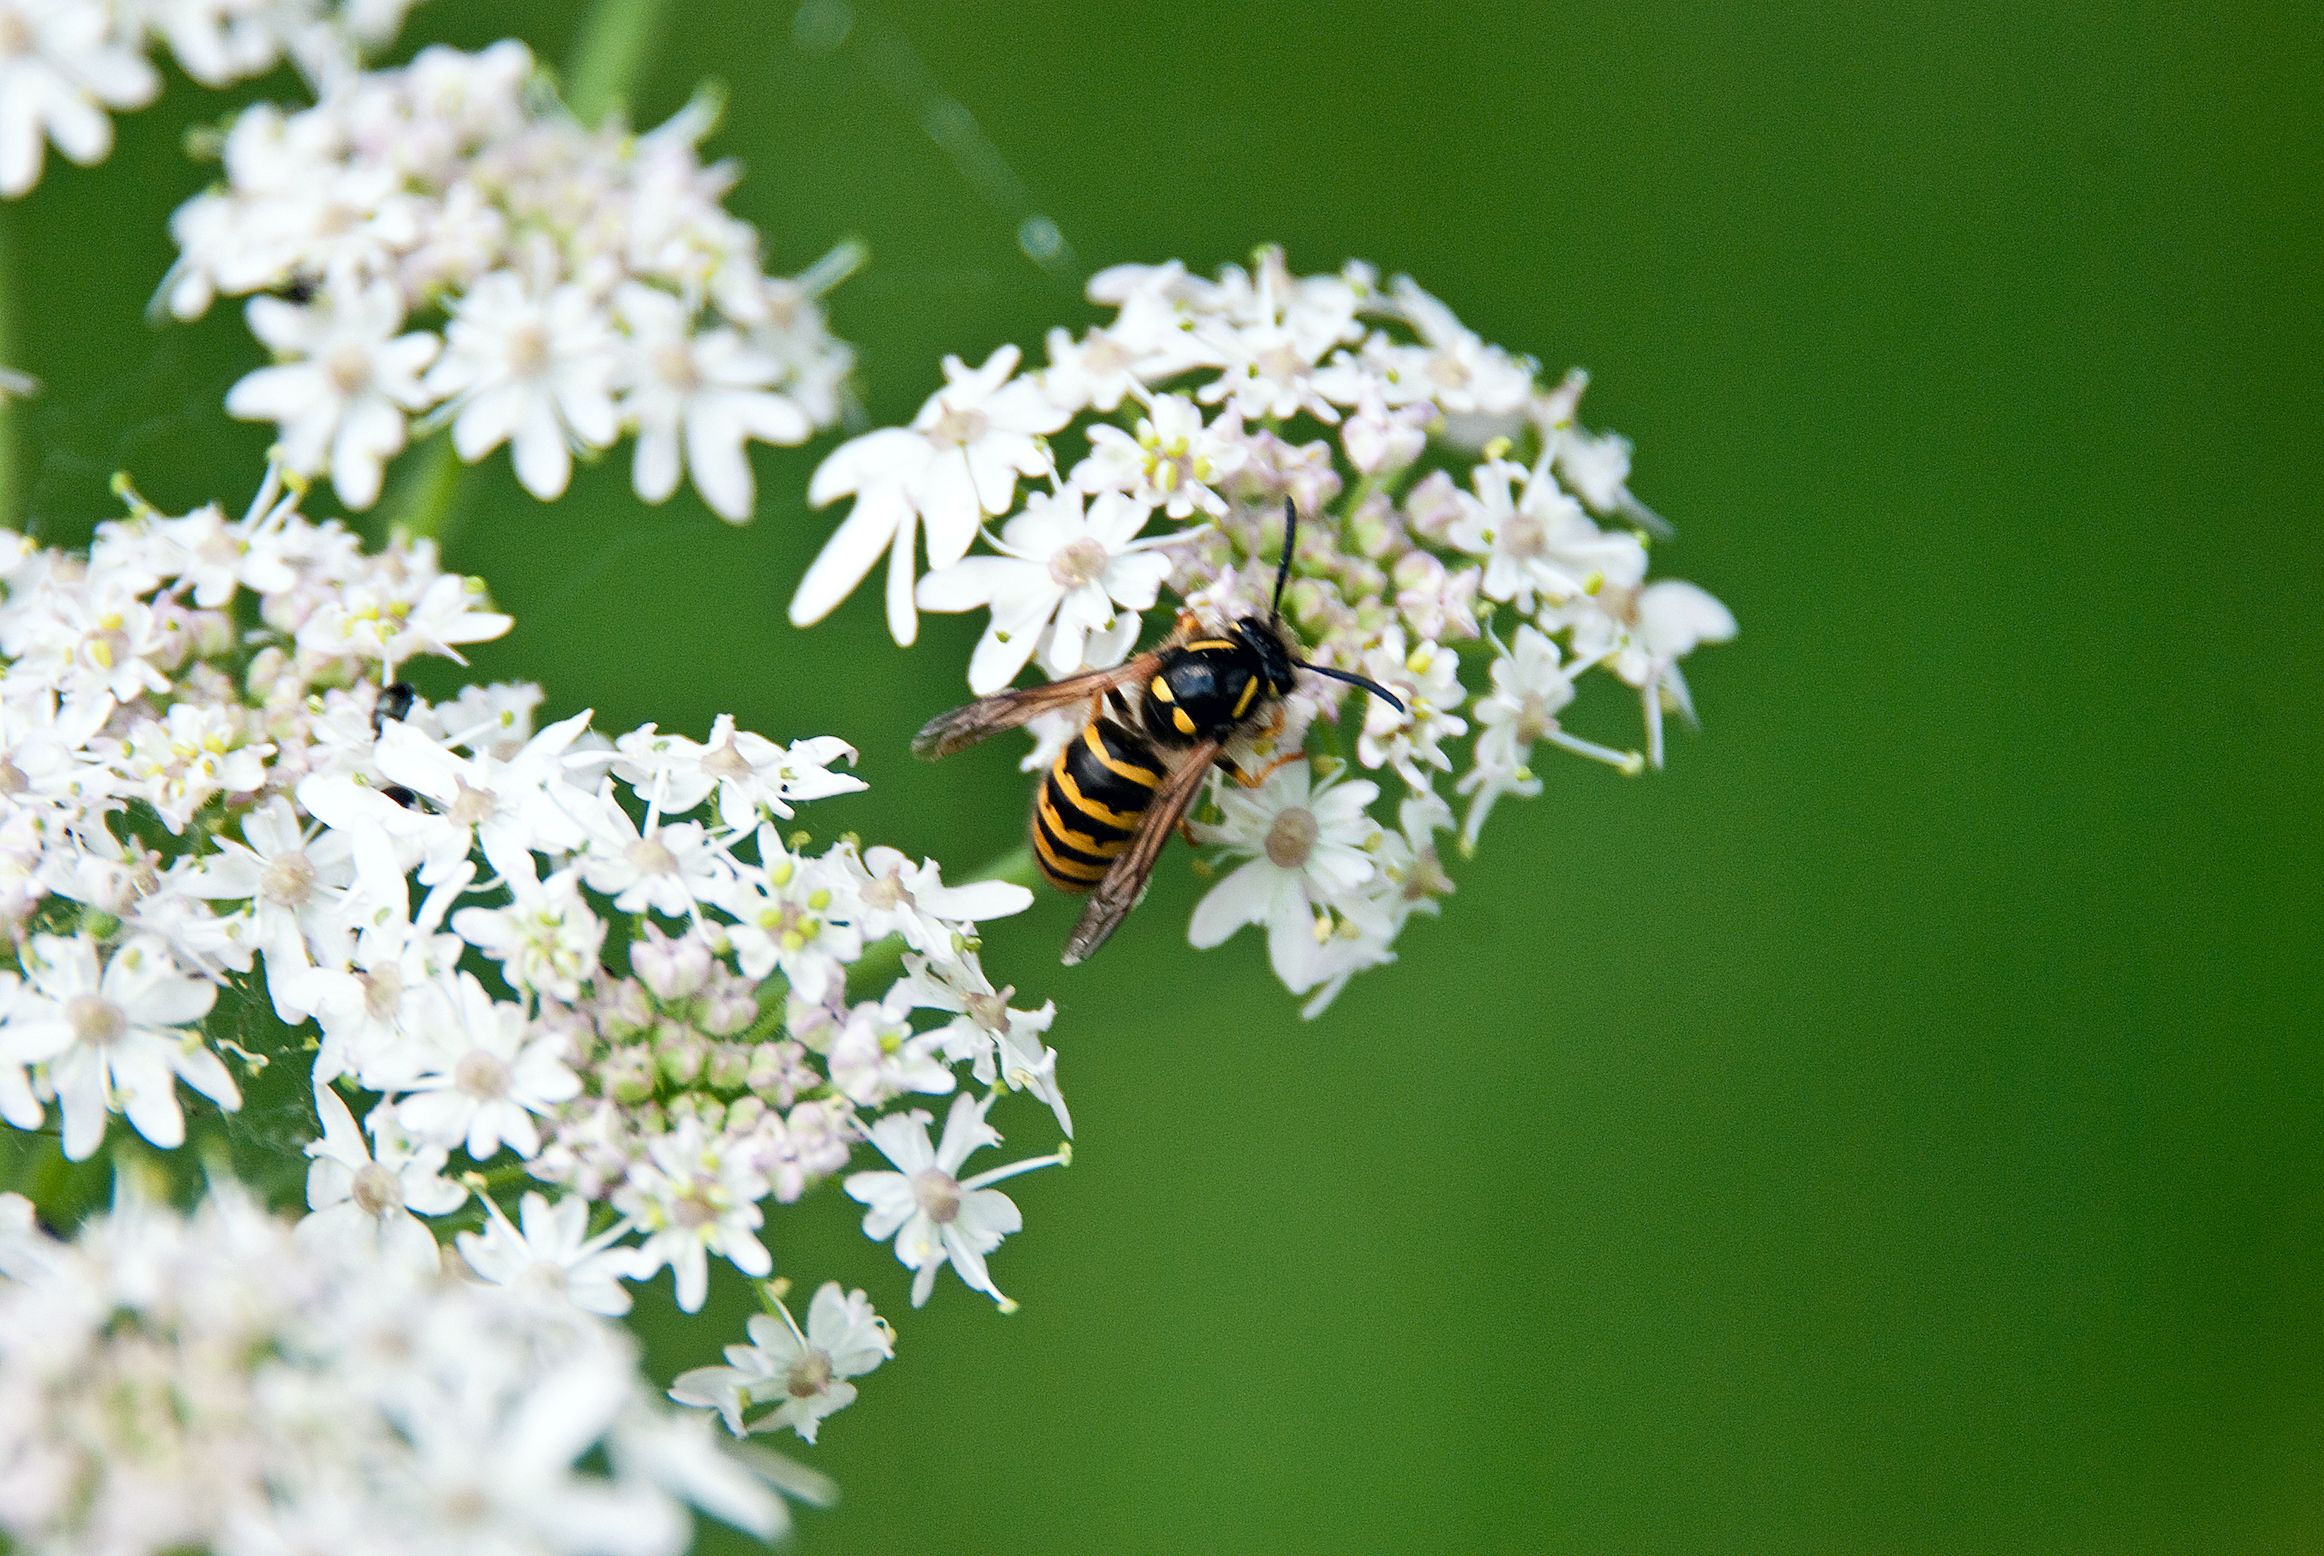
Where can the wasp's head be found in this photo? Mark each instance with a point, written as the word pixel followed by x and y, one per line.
pixel 1265 637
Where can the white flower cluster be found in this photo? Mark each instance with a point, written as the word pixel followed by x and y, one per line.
pixel 213 1382
pixel 1465 542
pixel 64 64
pixel 445 242
pixel 604 967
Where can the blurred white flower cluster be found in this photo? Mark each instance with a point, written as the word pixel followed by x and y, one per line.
pixel 1466 542
pixel 583 1001
pixel 445 242
pixel 210 1381
pixel 66 64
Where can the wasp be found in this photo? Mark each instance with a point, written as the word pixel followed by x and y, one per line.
pixel 1156 724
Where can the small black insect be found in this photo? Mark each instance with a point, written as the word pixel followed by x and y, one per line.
pixel 1156 725
pixel 395 702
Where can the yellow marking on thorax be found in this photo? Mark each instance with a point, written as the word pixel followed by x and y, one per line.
pixel 1250 691
pixel 1160 689
pixel 1196 648
pixel 1183 720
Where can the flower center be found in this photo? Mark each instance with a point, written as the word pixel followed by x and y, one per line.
pixel 674 365
pixel 15 34
pixel 649 856
pixel 1523 535
pixel 528 350
pixel 693 1208
pixel 959 427
pixel 12 779
pixel 471 806
pixel 482 1075
pixel 725 760
pixel 1533 718
pixel 382 992
pixel 810 1375
pixel 348 368
pixel 990 1011
pixel 375 1190
pixel 96 1020
pixel 1082 562
pixel 938 1193
pixel 1292 838
pixel 886 892
pixel 288 879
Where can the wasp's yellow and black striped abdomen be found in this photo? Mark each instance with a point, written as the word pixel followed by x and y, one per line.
pixel 1090 803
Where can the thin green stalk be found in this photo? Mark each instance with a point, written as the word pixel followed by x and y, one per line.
pixel 428 491
pixel 617 38
pixel 11 416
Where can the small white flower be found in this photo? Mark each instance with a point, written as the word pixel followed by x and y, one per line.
pixel 696 396
pixel 115 1039
pixel 896 897
pixel 1173 460
pixel 957 463
pixel 553 1254
pixel 1426 679
pixel 531 367
pixel 343 393
pixel 1309 848
pixel 546 938
pixel 355 1190
pixel 1068 582
pixel 803 1373
pixel 61 67
pixel 877 1058
pixel 692 1198
pixel 1530 688
pixel 936 1216
pixel 489 1074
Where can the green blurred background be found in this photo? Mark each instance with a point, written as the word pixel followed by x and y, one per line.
pixel 1896 1128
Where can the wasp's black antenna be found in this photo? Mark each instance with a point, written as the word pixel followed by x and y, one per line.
pixel 1283 568
pixel 1374 687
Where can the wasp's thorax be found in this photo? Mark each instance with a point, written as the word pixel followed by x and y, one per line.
pixel 1212 685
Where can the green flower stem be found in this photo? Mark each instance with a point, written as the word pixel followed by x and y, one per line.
pixel 428 491
pixel 617 38
pixel 11 416
pixel 880 962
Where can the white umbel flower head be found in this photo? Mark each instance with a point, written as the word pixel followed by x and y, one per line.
pixel 1449 503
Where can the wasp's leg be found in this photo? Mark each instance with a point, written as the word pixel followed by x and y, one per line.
pixel 1253 781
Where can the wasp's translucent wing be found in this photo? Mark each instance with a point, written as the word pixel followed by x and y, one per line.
pixel 964 727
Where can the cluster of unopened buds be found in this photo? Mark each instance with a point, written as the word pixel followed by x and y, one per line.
pixel 444 242
pixel 1465 543
pixel 551 1009
pixel 67 65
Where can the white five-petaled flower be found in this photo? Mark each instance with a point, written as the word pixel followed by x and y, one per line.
pixel 531 367
pixel 693 1197
pixel 894 896
pixel 376 1192
pixel 1530 688
pixel 1068 582
pixel 696 398
pixel 803 1373
pixel 550 1252
pixel 488 1076
pixel 61 66
pixel 1309 849
pixel 115 1038
pixel 936 1216
pixel 1172 460
pixel 345 386
pixel 957 464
